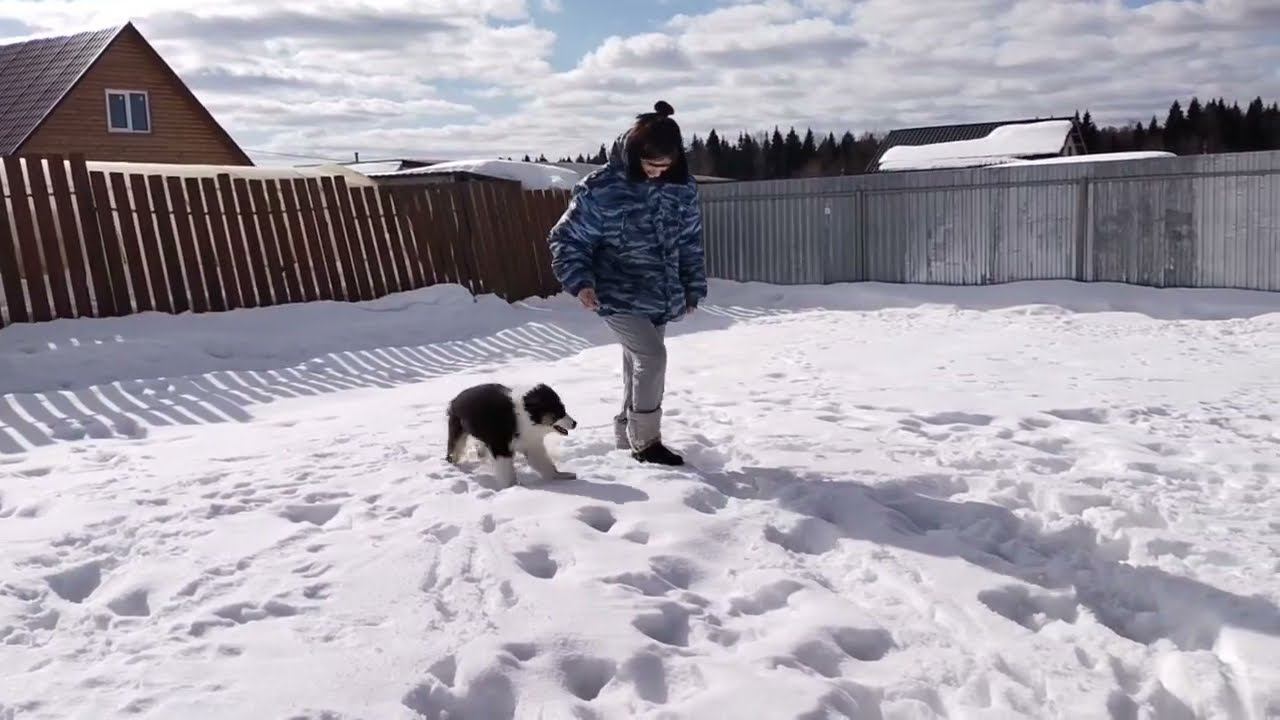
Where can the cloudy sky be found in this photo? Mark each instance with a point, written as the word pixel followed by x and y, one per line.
pixel 455 78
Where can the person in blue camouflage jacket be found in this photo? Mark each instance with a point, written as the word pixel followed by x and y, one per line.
pixel 629 247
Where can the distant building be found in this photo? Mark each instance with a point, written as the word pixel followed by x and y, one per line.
pixel 528 175
pixel 977 144
pixel 109 95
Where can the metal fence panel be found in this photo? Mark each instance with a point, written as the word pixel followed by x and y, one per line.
pixel 1036 232
pixel 1207 221
pixel 1236 211
pixel 778 239
pixel 844 252
pixel 930 236
pixel 886 256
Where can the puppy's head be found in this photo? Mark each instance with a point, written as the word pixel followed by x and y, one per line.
pixel 545 408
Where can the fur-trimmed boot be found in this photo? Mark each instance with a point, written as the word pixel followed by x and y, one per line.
pixel 644 431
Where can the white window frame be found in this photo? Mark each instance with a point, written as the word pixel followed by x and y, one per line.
pixel 128 111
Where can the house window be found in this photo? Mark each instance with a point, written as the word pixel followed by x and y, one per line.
pixel 128 111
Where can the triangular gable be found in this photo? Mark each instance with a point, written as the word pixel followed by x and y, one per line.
pixel 35 75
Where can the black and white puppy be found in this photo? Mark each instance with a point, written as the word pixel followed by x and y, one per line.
pixel 506 421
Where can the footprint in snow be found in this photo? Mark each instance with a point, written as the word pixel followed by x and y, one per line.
pixel 134 603
pixel 76 584
pixel 647 673
pixel 809 536
pixel 863 644
pixel 639 536
pixel 1049 445
pixel 1032 611
pixel 598 518
pixel 537 561
pixel 241 613
pixel 585 676
pixel 666 574
pixel 1095 416
pixel 312 570
pixel 956 418
pixel 318 515
pixel 490 694
pixel 822 657
pixel 521 651
pixel 648 584
pixel 319 591
pixel 1035 423
pixel 442 533
pixel 769 598
pixel 678 571
pixel 667 624
pixel 1050 465
pixel 707 501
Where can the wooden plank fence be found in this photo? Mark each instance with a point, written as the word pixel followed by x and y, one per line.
pixel 81 243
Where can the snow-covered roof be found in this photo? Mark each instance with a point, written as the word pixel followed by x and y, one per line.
pixel 1097 157
pixel 370 167
pixel 583 169
pixel 248 172
pixel 531 175
pixel 1004 144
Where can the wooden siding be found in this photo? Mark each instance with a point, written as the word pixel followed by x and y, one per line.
pixel 181 132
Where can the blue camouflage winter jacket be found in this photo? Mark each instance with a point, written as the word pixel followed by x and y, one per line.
pixel 639 244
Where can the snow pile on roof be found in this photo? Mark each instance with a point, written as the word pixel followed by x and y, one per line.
pixel 1004 144
pixel 1098 157
pixel 533 176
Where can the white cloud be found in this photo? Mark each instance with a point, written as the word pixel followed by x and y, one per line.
pixel 875 64
pixel 454 77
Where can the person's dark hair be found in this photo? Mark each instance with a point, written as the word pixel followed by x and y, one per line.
pixel 656 135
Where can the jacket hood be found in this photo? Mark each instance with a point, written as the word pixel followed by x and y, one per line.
pixel 618 154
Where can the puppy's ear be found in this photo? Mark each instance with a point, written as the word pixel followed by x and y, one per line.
pixel 537 403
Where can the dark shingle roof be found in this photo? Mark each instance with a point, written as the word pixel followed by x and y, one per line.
pixel 36 74
pixel 944 133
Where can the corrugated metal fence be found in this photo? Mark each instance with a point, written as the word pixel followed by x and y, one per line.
pixel 1198 221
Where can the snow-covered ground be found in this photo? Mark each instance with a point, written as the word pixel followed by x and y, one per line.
pixel 1037 500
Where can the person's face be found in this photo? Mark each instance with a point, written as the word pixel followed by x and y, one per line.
pixel 654 167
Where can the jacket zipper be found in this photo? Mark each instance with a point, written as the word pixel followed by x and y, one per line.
pixel 662 244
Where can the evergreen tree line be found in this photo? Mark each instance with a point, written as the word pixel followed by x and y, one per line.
pixel 1200 128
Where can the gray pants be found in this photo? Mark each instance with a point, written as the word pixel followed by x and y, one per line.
pixel 644 374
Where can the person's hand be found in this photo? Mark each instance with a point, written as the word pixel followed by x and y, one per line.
pixel 588 299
